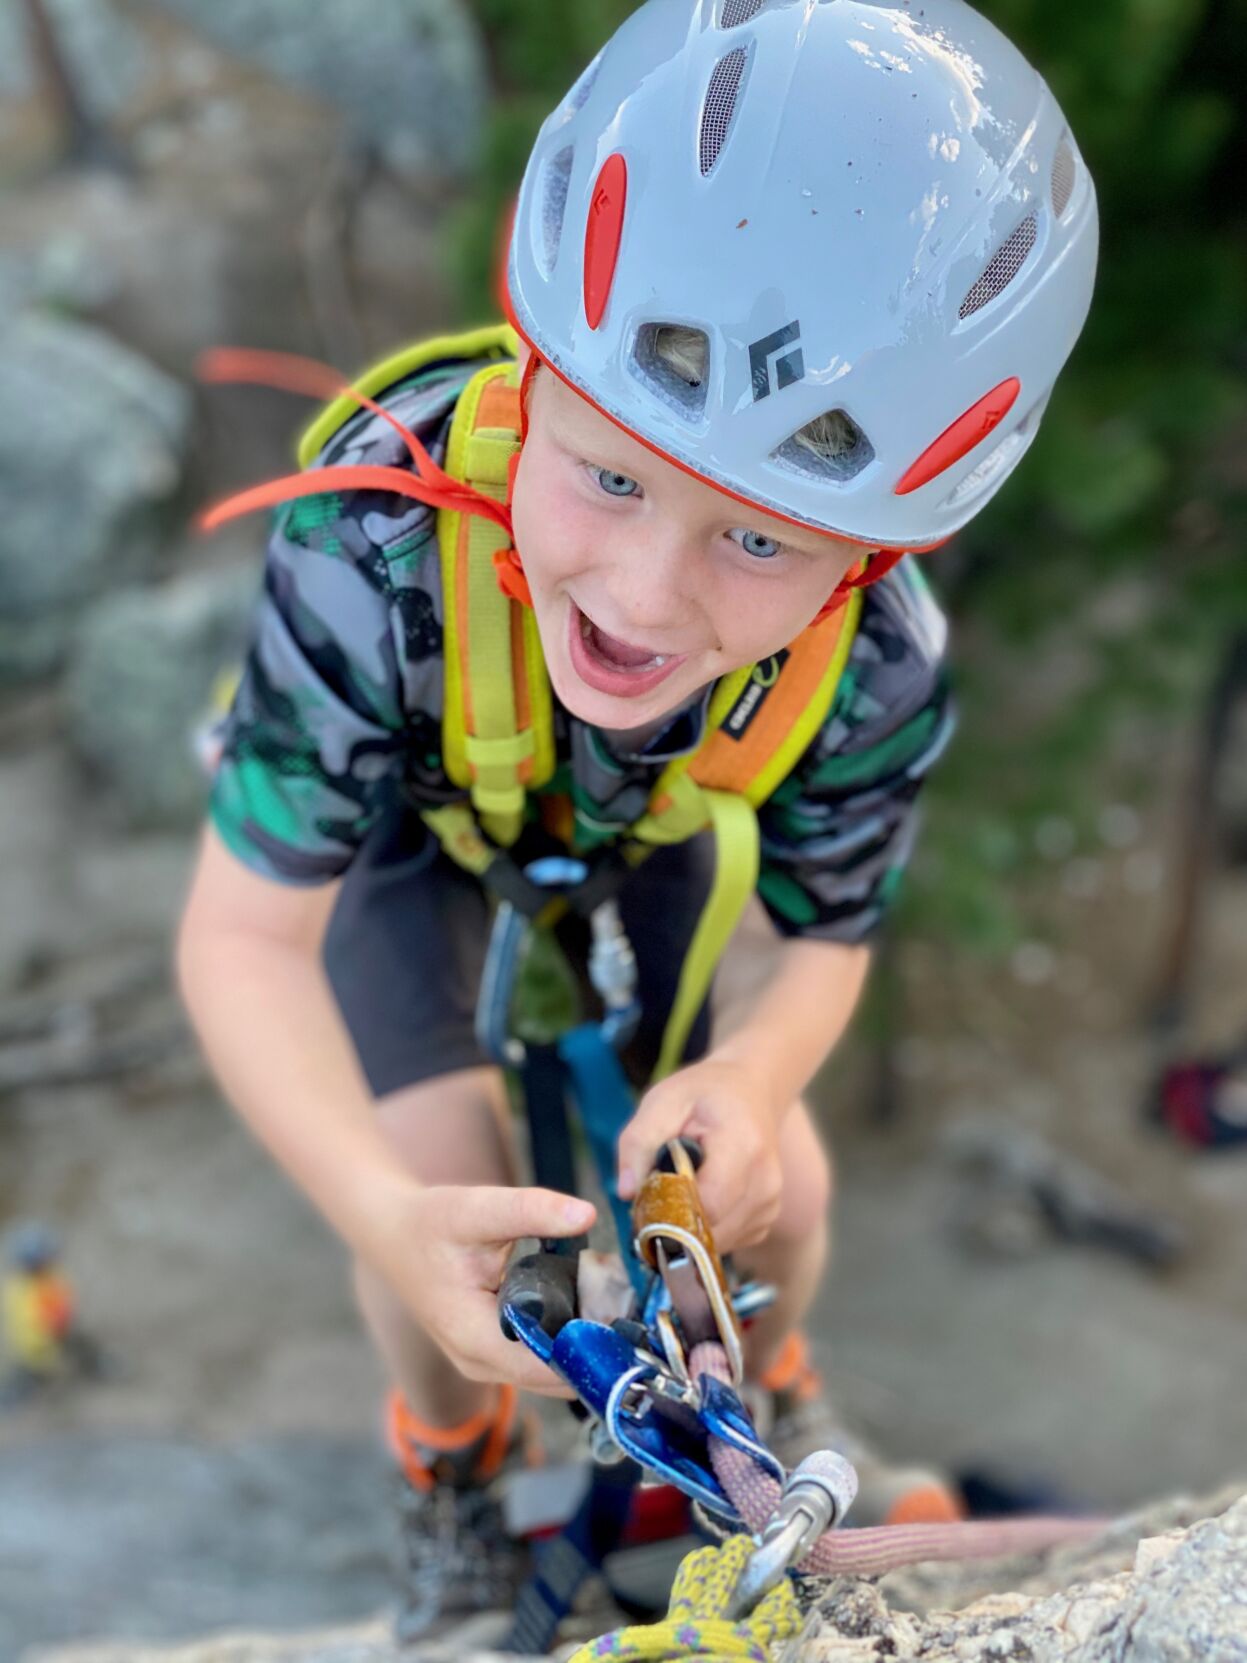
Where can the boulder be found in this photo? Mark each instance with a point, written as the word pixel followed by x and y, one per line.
pixel 409 75
pixel 93 441
pixel 140 684
pixel 1176 1597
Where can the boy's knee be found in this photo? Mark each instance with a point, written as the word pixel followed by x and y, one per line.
pixel 454 1129
pixel 809 1184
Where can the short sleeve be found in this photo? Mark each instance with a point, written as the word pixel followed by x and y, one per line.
pixel 838 833
pixel 314 741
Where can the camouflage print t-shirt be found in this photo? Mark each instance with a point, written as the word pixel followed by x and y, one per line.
pixel 339 710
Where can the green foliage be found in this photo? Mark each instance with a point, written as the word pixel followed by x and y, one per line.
pixel 536 54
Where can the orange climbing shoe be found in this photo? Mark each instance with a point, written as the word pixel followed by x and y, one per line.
pixel 797 1418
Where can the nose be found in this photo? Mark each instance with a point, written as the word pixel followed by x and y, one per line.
pixel 656 582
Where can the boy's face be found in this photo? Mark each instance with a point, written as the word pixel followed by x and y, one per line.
pixel 648 584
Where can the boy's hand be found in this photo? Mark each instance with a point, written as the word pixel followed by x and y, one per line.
pixel 726 1109
pixel 447 1252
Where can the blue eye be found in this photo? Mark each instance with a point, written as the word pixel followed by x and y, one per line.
pixel 754 543
pixel 615 484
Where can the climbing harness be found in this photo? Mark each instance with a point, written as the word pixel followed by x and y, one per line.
pixel 498 745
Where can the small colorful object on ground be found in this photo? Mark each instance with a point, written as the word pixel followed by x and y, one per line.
pixel 1204 1101
pixel 44 1344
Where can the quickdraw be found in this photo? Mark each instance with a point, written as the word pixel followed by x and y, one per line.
pixel 633 1375
pixel 665 1398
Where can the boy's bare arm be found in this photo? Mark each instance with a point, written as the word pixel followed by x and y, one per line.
pixel 798 1017
pixel 250 973
pixel 248 965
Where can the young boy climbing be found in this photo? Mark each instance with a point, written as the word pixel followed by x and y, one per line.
pixel 790 286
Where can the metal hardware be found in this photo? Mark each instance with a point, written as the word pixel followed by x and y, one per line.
pixel 815 1498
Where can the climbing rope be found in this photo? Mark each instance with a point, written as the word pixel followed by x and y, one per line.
pixel 696 1625
pixel 872 1551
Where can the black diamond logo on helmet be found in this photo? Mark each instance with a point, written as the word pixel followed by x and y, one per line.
pixel 769 352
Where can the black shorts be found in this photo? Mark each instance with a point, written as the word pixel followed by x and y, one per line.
pixel 406 945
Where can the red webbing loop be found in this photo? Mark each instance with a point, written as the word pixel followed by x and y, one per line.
pixel 290 373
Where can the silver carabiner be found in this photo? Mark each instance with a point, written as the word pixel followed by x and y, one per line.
pixel 815 1498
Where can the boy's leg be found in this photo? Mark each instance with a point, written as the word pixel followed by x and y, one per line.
pixel 403 953
pixel 451 1130
pixel 794 1257
pixel 450 1436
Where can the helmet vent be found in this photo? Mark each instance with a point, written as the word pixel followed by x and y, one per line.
pixel 578 97
pixel 554 183
pixel 1062 178
pixel 1001 269
pixel 831 448
pixel 720 106
pixel 673 361
pixel 739 11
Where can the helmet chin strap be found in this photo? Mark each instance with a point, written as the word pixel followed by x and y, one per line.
pixel 508 566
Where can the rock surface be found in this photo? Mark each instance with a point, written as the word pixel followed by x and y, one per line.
pixel 409 74
pixel 140 680
pixel 93 441
pixel 1131 1596
pixel 106 52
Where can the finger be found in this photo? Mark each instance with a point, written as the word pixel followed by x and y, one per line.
pixel 494 1216
pixel 660 1118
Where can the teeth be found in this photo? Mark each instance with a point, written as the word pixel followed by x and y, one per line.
pixel 659 660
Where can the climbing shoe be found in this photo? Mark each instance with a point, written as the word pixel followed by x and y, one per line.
pixel 796 1417
pixel 456 1560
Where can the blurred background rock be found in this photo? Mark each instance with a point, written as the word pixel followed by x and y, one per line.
pixel 329 179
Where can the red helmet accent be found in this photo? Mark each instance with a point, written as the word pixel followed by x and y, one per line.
pixel 502 255
pixel 603 230
pixel 961 436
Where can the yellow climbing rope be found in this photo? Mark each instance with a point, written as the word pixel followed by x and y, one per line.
pixel 695 1625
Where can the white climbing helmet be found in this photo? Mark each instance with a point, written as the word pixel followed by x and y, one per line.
pixel 870 210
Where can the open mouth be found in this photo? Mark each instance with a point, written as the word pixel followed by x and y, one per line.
pixel 611 665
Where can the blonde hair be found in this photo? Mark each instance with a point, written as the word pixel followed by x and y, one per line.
pixel 684 351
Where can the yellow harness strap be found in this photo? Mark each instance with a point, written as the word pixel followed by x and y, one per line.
pixel 760 720
pixel 735 826
pixel 497 340
pixel 498 724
